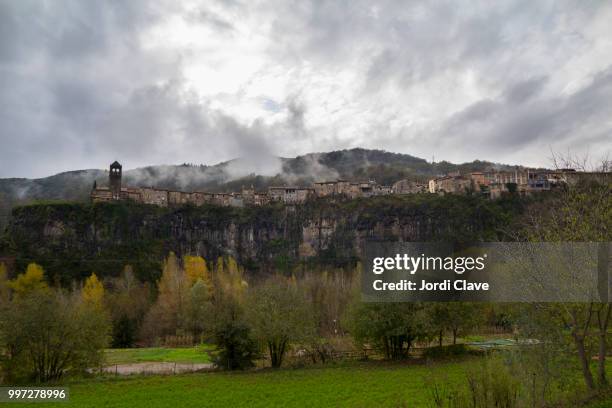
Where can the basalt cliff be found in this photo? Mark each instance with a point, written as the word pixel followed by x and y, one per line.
pixel 72 240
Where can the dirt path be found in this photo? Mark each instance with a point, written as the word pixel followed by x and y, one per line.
pixel 156 368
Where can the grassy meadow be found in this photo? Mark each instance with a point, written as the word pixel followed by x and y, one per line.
pixel 353 385
pixel 356 384
pixel 199 354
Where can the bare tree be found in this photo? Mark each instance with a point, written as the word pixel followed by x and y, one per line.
pixel 581 211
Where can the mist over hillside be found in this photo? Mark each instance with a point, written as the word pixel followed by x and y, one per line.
pixel 259 171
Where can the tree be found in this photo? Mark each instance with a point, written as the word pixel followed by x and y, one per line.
pixel 46 333
pixel 168 313
pixel 93 291
pixel 438 319
pixel 581 211
pixel 330 293
pixel 228 287
pixel 128 301
pixel 221 310
pixel 199 309
pixel 539 364
pixel 280 315
pixel 91 308
pixel 229 279
pixel 93 328
pixel 31 281
pixel 456 317
pixel 463 317
pixel 196 269
pixel 391 327
pixel 238 348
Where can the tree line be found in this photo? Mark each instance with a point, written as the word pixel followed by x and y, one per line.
pixel 197 302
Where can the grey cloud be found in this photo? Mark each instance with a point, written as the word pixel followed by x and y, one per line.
pixel 212 19
pixel 72 29
pixel 516 121
pixel 166 123
pixel 297 110
pixel 404 43
pixel 479 112
pixel 80 89
pixel 8 26
pixel 53 96
pixel 524 90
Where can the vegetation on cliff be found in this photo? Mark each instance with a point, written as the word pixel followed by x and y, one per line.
pixel 72 240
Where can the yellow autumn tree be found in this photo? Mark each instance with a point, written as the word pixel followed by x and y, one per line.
pixel 93 291
pixel 31 281
pixel 173 278
pixel 219 267
pixel 230 278
pixel 168 313
pixel 196 268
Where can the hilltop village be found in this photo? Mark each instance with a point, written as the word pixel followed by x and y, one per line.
pixel 492 184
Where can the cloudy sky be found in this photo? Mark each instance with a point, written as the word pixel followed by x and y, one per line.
pixel 83 83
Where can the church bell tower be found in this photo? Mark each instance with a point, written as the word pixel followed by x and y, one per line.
pixel 114 180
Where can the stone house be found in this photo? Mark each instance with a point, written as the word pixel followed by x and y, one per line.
pixel 252 197
pixel 150 195
pixel 331 188
pixel 325 188
pixel 290 195
pixel 408 187
pixel 362 189
pixel 450 184
pixel 518 177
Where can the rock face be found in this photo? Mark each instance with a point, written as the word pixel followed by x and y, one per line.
pixel 72 240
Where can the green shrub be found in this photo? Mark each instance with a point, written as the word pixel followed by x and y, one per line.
pixel 389 327
pixel 489 385
pixel 237 348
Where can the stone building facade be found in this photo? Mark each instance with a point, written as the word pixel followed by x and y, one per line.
pixel 290 195
pixel 408 187
pixel 452 184
pixel 350 189
pixel 493 183
pixel 165 198
pixel 497 183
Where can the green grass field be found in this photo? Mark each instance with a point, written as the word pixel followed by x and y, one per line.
pixel 355 384
pixel 199 354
